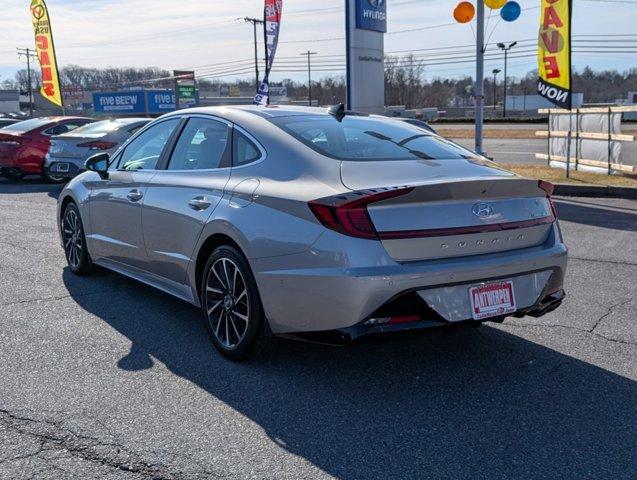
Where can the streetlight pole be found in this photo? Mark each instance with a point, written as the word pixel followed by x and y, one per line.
pixel 255 22
pixel 479 89
pixel 309 75
pixel 506 49
pixel 495 87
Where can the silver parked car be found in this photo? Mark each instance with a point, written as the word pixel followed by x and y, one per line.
pixel 68 152
pixel 324 225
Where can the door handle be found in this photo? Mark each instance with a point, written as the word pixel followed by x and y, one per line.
pixel 199 203
pixel 135 195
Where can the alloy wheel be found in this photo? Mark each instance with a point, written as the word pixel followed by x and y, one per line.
pixel 72 237
pixel 227 302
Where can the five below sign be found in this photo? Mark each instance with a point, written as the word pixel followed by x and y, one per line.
pixel 119 102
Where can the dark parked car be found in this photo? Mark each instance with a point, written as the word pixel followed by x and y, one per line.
pixel 24 145
pixel 5 122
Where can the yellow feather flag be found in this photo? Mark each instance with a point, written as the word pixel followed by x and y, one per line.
pixel 45 50
pixel 554 52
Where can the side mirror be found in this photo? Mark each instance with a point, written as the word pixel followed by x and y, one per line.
pixel 98 163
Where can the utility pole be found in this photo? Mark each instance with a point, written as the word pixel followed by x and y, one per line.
pixel 28 53
pixel 479 89
pixel 255 22
pixel 309 75
pixel 506 49
pixel 495 87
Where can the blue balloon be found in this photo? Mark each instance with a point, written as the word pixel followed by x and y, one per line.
pixel 510 12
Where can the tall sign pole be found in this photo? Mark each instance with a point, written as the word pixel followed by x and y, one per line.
pixel 366 24
pixel 479 88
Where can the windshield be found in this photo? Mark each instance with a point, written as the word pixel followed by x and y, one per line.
pixel 96 128
pixel 369 138
pixel 27 125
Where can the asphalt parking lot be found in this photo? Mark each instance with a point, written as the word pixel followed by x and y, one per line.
pixel 103 377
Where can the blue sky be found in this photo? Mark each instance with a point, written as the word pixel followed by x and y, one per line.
pixel 207 34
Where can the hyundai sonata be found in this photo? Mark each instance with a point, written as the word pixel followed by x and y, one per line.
pixel 324 225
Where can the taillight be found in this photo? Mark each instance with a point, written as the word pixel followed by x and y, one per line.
pixel 97 145
pixel 549 188
pixel 348 214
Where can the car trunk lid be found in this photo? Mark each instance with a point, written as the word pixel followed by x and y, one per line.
pixel 453 208
pixel 73 146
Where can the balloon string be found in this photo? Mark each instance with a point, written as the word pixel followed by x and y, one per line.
pixel 473 30
pixel 491 34
pixel 486 28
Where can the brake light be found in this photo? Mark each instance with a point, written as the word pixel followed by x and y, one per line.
pixel 348 214
pixel 98 145
pixel 549 188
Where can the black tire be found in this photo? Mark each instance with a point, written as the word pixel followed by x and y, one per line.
pixel 13 176
pixel 235 320
pixel 47 177
pixel 74 241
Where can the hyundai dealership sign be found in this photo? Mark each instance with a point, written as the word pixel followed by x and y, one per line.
pixel 366 26
pixel 371 15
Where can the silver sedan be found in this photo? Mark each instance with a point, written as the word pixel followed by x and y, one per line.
pixel 68 152
pixel 322 225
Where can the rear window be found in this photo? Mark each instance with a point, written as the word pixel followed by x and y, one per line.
pixel 96 128
pixel 27 125
pixel 369 138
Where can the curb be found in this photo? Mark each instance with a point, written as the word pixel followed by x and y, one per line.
pixel 568 190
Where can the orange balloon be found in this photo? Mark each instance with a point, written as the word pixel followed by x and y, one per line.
pixel 464 12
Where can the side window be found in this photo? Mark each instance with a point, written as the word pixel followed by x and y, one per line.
pixel 58 130
pixel 143 152
pixel 66 127
pixel 245 151
pixel 203 145
pixel 136 129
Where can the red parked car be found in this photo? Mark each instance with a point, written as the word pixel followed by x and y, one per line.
pixel 24 145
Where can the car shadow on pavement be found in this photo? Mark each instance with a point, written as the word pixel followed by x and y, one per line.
pixel 595 214
pixel 461 403
pixel 30 185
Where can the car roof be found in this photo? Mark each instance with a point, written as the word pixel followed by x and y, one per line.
pixel 61 118
pixel 270 111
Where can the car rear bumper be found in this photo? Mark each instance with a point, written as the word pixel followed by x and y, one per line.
pixel 16 163
pixel 345 336
pixel 340 283
pixel 72 166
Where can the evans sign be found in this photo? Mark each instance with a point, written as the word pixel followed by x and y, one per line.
pixel 371 15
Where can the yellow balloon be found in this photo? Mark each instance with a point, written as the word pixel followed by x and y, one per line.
pixel 495 4
pixel 464 12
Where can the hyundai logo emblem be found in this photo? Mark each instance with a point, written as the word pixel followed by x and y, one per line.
pixel 376 3
pixel 482 210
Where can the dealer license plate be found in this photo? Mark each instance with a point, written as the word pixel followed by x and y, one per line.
pixel 492 300
pixel 60 167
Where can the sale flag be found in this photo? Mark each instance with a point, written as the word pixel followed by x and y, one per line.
pixel 45 49
pixel 272 23
pixel 554 52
